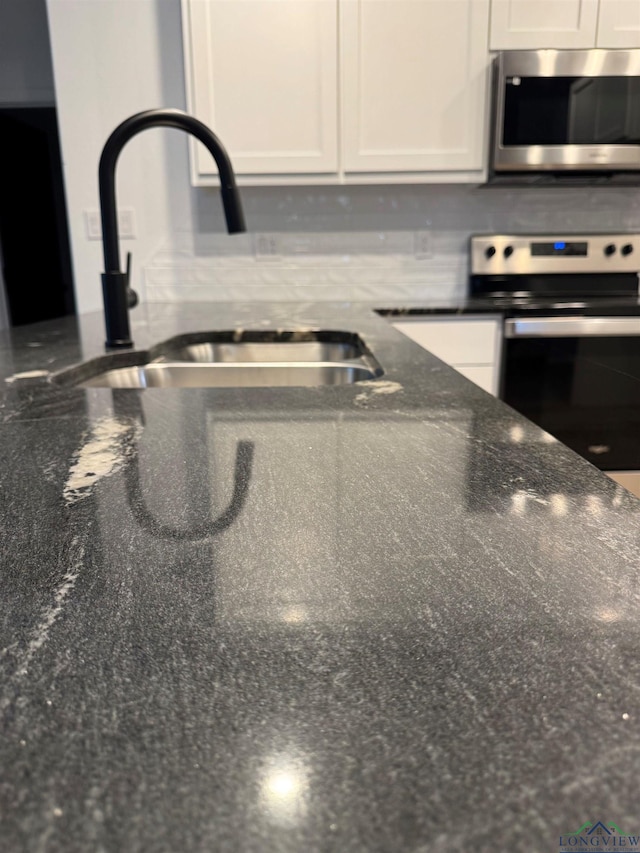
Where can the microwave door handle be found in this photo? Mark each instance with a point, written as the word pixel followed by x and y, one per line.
pixel 571 327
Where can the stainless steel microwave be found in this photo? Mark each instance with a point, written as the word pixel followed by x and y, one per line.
pixel 566 111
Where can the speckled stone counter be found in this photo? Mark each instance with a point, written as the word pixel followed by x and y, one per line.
pixel 392 616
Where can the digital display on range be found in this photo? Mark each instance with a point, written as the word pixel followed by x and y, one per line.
pixel 559 248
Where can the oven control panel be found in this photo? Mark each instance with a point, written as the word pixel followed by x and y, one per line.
pixel 509 254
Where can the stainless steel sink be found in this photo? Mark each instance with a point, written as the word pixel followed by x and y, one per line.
pixel 213 352
pixel 229 375
pixel 233 359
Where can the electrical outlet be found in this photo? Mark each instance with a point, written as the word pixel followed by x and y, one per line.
pixel 92 224
pixel 267 247
pixel 422 245
pixel 126 224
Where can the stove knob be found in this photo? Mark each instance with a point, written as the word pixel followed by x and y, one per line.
pixel 627 250
pixel 490 251
pixel 508 251
pixel 610 249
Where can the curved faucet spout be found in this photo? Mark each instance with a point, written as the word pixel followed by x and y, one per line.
pixel 115 283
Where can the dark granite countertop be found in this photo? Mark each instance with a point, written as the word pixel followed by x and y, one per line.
pixel 393 616
pixel 535 304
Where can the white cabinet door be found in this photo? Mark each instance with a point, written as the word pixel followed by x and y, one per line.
pixel 471 345
pixel 263 75
pixel 457 341
pixel 414 84
pixel 539 24
pixel 619 23
pixel 484 375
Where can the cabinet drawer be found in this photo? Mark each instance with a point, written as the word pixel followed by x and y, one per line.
pixel 457 341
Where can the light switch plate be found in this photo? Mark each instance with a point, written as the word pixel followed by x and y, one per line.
pixel 126 224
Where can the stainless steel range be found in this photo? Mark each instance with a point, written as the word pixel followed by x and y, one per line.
pixel 572 338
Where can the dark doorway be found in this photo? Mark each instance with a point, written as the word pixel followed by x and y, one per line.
pixel 34 236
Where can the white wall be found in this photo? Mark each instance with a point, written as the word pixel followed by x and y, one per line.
pixel 26 78
pixel 113 58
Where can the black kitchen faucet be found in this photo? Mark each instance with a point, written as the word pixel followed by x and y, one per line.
pixel 117 295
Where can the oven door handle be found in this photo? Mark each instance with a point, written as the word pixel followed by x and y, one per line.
pixel 571 327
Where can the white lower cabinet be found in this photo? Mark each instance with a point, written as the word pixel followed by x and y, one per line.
pixel 471 345
pixel 484 375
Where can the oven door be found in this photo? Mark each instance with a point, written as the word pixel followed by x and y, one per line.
pixel 567 110
pixel 579 379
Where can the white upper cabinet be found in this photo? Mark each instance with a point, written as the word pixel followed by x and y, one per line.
pixel 414 84
pixel 540 24
pixel 619 24
pixel 404 97
pixel 560 24
pixel 263 75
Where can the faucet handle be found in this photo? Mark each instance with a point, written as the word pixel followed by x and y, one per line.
pixel 132 296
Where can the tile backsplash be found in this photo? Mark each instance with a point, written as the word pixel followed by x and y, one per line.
pixel 363 243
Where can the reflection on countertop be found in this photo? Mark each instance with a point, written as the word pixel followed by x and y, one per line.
pixel 416 627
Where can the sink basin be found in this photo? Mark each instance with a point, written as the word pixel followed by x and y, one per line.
pixel 214 352
pixel 234 359
pixel 229 375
